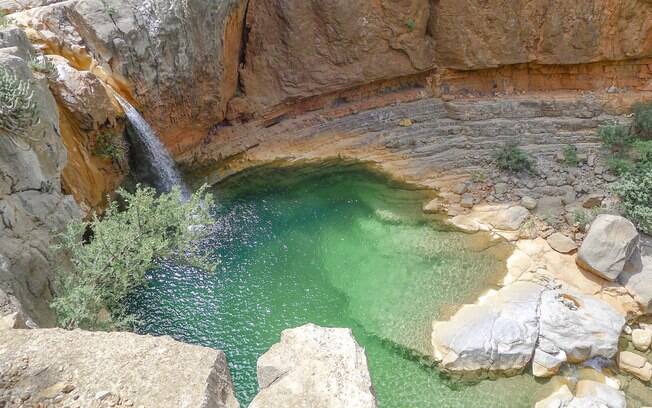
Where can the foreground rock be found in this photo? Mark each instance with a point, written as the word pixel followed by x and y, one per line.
pixel 85 369
pixel 609 244
pixel 314 367
pixel 635 364
pixel 637 276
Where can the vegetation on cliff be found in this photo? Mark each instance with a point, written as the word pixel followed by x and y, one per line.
pixel 124 244
pixel 18 110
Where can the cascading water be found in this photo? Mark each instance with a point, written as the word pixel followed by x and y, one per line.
pixel 165 171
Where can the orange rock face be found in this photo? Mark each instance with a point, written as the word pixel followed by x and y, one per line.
pixel 297 48
pixel 300 49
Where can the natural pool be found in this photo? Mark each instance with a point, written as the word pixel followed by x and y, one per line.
pixel 339 247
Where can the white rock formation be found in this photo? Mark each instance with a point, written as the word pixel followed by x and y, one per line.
pixel 609 244
pixel 581 325
pixel 497 334
pixel 314 367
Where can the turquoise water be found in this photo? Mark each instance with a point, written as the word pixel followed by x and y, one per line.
pixel 339 248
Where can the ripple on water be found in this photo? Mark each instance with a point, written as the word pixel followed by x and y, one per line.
pixel 339 249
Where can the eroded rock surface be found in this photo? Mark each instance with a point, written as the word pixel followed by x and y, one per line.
pixel 314 367
pixel 32 206
pixel 498 334
pixel 608 246
pixel 52 367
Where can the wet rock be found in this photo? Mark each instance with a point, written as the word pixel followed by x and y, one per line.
pixel 609 244
pixel 314 366
pixel 108 367
pixel 545 364
pixel 558 399
pixel 635 364
pixel 596 394
pixel 434 206
pixel 580 325
pixel 496 335
pixel 561 243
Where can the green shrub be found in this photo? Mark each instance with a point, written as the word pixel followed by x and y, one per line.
pixel 635 191
pixel 124 245
pixel 570 156
pixel 43 65
pixel 620 165
pixel 19 111
pixel 110 147
pixel 643 120
pixel 411 24
pixel 642 150
pixel 512 158
pixel 616 137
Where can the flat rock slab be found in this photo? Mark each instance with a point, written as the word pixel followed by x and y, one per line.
pixel 561 243
pixel 92 369
pixel 314 367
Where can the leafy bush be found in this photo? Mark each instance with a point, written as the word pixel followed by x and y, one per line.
pixel 512 158
pixel 124 245
pixel 18 110
pixel 643 120
pixel 616 137
pixel 635 191
pixel 570 156
pixel 642 150
pixel 110 147
pixel 620 165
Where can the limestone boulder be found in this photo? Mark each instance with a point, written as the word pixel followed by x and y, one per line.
pixel 582 326
pixel 498 334
pixel 637 276
pixel 609 244
pixel 635 364
pixel 93 369
pixel 315 367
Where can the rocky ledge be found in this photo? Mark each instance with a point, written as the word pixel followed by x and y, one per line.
pixel 61 368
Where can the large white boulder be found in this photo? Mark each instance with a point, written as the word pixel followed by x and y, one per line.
pixel 582 326
pixel 497 334
pixel 609 244
pixel 314 367
pixel 588 394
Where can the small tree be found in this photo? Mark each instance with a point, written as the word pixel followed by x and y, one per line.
pixel 123 246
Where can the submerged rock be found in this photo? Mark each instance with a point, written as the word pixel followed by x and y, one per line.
pixel 496 335
pixel 92 369
pixel 608 246
pixel 314 367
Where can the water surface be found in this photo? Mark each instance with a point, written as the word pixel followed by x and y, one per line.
pixel 339 248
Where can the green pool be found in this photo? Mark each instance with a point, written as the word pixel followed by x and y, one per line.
pixel 338 247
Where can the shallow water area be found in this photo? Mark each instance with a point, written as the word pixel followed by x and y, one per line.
pixel 338 247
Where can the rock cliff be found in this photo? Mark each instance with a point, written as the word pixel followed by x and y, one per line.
pixel 33 208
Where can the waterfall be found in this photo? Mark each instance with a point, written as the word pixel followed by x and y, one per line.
pixel 166 172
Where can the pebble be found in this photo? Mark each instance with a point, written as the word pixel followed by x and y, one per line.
pixel 529 203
